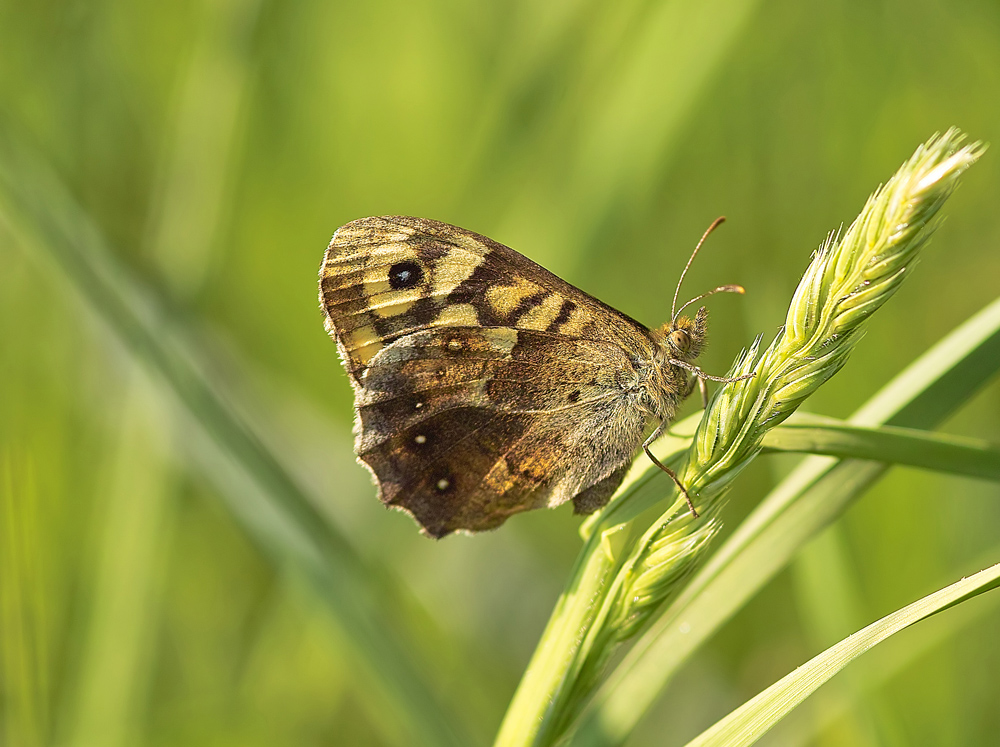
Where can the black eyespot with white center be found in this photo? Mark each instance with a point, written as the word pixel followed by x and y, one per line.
pixel 442 482
pixel 405 275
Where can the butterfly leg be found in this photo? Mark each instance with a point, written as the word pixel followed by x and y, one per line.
pixel 673 475
pixel 697 381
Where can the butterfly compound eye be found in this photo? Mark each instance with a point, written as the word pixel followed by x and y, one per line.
pixel 680 340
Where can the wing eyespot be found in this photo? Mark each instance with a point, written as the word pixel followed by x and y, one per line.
pixel 406 274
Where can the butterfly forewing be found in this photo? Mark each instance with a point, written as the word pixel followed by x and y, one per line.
pixel 386 277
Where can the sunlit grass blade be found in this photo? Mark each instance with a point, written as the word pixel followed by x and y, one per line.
pixel 258 489
pixel 813 434
pixel 24 665
pixel 815 494
pixel 747 724
pixel 134 537
pixel 867 691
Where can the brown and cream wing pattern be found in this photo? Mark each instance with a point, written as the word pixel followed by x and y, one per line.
pixel 386 277
pixel 465 426
pixel 485 385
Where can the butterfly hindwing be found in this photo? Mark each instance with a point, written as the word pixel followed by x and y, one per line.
pixel 465 426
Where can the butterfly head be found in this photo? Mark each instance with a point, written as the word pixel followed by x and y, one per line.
pixel 683 338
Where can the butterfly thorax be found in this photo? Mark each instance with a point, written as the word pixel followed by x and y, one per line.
pixel 663 382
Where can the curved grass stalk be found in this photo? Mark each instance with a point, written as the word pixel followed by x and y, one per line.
pixel 818 491
pixel 624 575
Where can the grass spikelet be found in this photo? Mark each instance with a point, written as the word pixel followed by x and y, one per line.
pixel 850 276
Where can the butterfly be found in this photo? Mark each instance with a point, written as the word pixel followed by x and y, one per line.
pixel 485 385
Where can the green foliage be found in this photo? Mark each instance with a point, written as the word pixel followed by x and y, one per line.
pixel 614 594
pixel 188 552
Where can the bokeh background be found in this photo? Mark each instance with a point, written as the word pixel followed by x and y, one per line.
pixel 217 144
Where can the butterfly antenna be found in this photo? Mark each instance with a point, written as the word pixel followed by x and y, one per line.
pixel 715 224
pixel 721 289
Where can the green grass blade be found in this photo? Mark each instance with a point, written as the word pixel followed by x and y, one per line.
pixel 813 434
pixel 815 494
pixel 747 724
pixel 820 435
pixel 24 660
pixel 137 526
pixel 860 694
pixel 262 494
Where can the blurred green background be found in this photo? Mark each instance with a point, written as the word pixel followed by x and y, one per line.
pixel 217 145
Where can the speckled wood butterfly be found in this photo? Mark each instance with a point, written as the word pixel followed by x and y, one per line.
pixel 485 385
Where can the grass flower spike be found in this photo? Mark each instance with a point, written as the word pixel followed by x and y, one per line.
pixel 613 594
pixel 850 276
